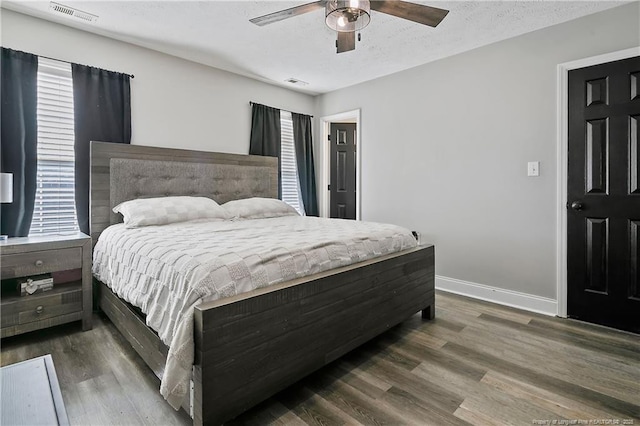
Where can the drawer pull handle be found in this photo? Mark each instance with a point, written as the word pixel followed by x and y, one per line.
pixel 39 310
pixel 39 263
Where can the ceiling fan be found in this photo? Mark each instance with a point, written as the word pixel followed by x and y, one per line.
pixel 347 17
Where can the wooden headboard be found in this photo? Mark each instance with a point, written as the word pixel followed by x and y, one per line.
pixel 122 172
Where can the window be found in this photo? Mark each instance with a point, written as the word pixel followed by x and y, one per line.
pixel 290 182
pixel 55 210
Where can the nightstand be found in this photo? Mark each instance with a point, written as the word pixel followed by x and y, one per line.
pixel 66 302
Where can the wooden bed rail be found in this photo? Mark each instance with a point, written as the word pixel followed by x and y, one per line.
pixel 251 346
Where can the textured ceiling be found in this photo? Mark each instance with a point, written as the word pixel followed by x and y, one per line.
pixel 219 34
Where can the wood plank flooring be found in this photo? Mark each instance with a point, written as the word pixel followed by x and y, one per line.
pixel 476 363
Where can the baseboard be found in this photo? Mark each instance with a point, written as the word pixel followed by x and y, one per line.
pixel 515 299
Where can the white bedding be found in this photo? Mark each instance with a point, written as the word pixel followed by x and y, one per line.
pixel 167 270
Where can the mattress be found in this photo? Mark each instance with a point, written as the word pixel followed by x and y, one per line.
pixel 168 270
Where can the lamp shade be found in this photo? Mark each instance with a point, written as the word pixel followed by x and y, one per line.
pixel 347 15
pixel 6 188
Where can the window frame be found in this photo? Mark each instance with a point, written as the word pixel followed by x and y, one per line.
pixel 289 178
pixel 54 207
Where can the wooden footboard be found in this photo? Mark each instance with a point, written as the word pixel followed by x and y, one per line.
pixel 251 346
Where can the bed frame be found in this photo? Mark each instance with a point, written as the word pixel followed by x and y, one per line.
pixel 251 346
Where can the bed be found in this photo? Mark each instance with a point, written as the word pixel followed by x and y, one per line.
pixel 250 346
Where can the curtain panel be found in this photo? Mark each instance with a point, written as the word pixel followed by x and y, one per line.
pixel 102 112
pixel 19 137
pixel 304 158
pixel 265 135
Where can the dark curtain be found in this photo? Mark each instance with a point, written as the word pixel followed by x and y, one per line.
pixel 304 158
pixel 102 112
pixel 265 135
pixel 19 137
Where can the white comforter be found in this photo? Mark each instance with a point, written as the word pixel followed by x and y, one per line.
pixel 168 270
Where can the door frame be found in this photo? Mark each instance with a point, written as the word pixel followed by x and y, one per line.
pixel 562 161
pixel 325 125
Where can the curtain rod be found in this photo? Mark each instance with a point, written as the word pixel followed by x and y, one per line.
pixel 256 103
pixel 69 62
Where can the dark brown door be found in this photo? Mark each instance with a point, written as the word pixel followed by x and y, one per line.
pixel 603 216
pixel 342 185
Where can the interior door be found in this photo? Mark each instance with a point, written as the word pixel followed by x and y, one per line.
pixel 342 185
pixel 603 217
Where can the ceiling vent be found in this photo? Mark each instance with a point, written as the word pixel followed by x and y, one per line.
pixel 70 12
pixel 296 81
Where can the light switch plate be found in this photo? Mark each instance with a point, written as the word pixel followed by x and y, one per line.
pixel 533 168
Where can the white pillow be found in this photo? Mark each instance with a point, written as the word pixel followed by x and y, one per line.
pixel 165 210
pixel 258 208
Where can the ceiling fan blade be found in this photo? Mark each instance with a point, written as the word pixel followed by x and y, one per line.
pixel 421 14
pixel 346 41
pixel 287 13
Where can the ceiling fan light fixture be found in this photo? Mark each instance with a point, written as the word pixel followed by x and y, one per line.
pixel 347 15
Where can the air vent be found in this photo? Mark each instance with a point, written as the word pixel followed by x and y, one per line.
pixel 296 81
pixel 70 12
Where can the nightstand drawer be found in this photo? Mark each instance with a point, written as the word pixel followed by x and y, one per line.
pixel 40 262
pixel 22 310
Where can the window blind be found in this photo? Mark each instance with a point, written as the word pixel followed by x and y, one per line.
pixel 55 210
pixel 290 183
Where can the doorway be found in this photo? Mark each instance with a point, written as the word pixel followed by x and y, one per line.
pixel 342 166
pixel 344 124
pixel 600 167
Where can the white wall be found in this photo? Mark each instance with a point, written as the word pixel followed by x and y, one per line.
pixel 174 103
pixel 445 148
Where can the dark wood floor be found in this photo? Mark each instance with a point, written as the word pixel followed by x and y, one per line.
pixel 476 363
